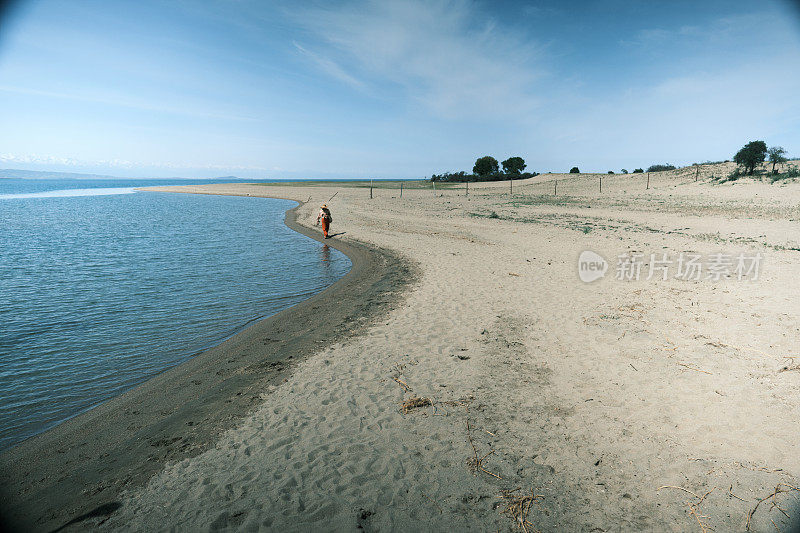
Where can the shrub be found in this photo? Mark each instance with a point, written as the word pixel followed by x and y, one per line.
pixel 751 155
pixel 461 177
pixel 574 170
pixel 661 168
pixel 638 171
pixel 526 175
pixel 624 170
pixel 791 172
pixel 610 172
pixel 451 176
pixel 733 176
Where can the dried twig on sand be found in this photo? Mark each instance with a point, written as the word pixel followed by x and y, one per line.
pixel 780 488
pixel 403 384
pixel 693 511
pixel 517 506
pixel 477 463
pixel 693 368
pixel 706 494
pixel 790 365
pixel 474 462
pixel 730 491
pixel 432 501
pixel 672 348
pixel 758 468
pixel 458 403
pixel 414 403
pixel 694 508
pixel 676 487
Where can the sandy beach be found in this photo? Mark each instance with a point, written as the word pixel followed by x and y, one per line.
pixel 544 402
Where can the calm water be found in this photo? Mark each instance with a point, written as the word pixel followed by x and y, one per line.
pixel 102 287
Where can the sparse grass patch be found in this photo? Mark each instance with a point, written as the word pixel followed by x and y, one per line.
pixel 491 214
pixel 733 176
pixel 547 199
pixel 791 173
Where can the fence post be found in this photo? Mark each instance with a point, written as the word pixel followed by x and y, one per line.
pixel 467 188
pixel 648 180
pixel 555 187
pixel 401 189
pixel 601 183
pixel 370 188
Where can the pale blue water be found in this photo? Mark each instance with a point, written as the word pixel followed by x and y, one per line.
pixel 102 289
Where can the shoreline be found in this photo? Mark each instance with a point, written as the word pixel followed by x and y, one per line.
pixel 606 402
pixel 78 469
pixel 595 397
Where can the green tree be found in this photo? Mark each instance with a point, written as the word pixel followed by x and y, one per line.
pixel 513 165
pixel 486 165
pixel 637 170
pixel 624 170
pixel 610 172
pixel 776 155
pixel 751 155
pixel 574 170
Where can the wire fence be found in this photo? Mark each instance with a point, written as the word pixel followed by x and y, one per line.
pixel 580 184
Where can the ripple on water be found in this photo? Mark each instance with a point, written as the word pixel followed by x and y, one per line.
pixel 102 291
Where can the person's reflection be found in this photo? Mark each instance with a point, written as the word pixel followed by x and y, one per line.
pixel 325 257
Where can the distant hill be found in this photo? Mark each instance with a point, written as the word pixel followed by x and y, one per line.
pixel 41 175
pixel 38 174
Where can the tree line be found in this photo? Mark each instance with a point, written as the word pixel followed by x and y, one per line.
pixel 755 153
pixel 487 168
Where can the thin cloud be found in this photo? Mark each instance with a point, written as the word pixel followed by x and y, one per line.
pixel 683 119
pixel 445 55
pixel 330 67
pixel 755 29
pixel 122 101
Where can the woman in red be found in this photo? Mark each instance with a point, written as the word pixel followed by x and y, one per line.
pixel 326 218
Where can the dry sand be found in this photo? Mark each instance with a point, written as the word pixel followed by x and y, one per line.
pixel 619 405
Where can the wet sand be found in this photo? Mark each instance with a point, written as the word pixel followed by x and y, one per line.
pixel 76 471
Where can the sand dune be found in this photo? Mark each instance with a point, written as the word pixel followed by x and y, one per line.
pixel 623 405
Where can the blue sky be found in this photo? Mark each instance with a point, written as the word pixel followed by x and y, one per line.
pixel 390 88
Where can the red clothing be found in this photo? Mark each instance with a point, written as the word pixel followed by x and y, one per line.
pixel 325 217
